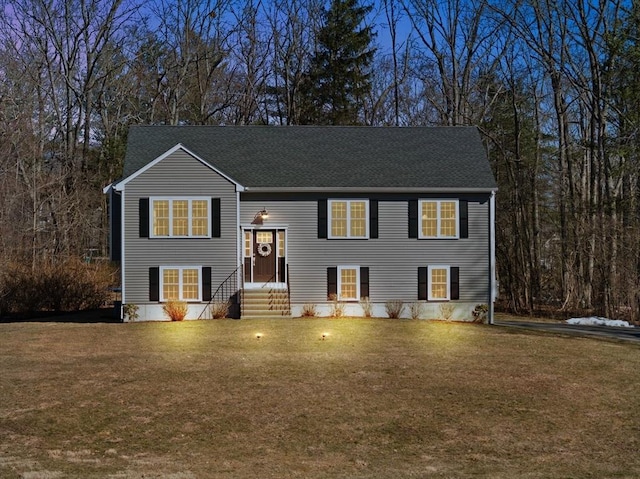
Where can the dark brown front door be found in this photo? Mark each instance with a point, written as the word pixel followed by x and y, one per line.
pixel 264 253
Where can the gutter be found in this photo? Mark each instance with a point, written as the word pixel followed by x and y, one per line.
pixel 363 189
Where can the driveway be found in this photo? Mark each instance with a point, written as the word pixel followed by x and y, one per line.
pixel 608 332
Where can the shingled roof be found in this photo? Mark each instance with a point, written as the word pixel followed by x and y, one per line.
pixel 282 157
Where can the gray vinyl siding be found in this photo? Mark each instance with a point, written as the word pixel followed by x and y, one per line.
pixel 178 175
pixel 393 258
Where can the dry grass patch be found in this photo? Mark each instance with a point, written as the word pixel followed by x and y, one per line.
pixel 375 398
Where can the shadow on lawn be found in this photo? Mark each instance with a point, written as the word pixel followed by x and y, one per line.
pixel 101 315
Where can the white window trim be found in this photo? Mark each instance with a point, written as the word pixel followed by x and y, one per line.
pixel 339 285
pixel 438 202
pixel 171 199
pixel 430 268
pixel 180 289
pixel 348 201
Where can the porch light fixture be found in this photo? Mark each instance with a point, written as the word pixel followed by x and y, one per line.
pixel 260 216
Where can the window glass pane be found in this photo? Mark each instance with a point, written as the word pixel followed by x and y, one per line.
pixel 190 283
pixel 170 284
pixel 358 219
pixel 438 283
pixel 448 218
pixel 200 217
pixel 348 283
pixel 264 237
pixel 247 244
pixel 281 244
pixel 180 217
pixel 429 218
pixel 339 219
pixel 161 217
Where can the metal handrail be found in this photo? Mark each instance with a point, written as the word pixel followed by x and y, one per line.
pixel 229 284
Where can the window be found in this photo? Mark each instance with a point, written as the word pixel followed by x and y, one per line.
pixel 264 237
pixel 183 217
pixel 281 244
pixel 438 287
pixel 247 244
pixel 180 283
pixel 348 218
pixel 348 283
pixel 438 219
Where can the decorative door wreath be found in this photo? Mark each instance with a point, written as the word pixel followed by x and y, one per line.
pixel 264 249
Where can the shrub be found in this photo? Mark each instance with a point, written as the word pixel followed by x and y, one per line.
pixel 394 308
pixel 367 307
pixel 130 311
pixel 64 285
pixel 416 310
pixel 309 310
pixel 176 310
pixel 337 308
pixel 479 313
pixel 446 310
pixel 219 309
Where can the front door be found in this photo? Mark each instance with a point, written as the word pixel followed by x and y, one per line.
pixel 264 253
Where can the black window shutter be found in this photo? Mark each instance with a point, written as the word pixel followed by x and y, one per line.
pixel 143 215
pixel 463 209
pixel 373 218
pixel 206 283
pixel 422 283
pixel 454 281
pixel 154 284
pixel 215 218
pixel 364 282
pixel 413 218
pixel 322 218
pixel 332 282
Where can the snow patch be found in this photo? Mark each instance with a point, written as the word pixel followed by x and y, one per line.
pixel 596 321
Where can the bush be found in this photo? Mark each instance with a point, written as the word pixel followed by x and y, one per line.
pixel 219 309
pixel 176 310
pixel 367 307
pixel 394 308
pixel 337 308
pixel 309 310
pixel 446 310
pixel 61 286
pixel 416 310
pixel 480 313
pixel 130 311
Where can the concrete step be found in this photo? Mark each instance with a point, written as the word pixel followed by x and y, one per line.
pixel 265 303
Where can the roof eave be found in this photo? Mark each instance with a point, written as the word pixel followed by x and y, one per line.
pixel 362 189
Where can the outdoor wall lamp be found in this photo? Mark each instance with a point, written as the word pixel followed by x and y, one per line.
pixel 260 216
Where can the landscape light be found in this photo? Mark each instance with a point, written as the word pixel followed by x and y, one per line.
pixel 324 336
pixel 258 335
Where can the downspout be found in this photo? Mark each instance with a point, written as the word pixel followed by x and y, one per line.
pixel 493 293
pixel 122 255
pixel 240 240
pixel 239 250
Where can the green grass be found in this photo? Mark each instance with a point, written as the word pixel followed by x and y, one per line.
pixel 376 398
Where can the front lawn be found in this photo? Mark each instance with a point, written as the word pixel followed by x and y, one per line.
pixel 376 398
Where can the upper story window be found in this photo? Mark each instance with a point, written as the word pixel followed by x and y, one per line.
pixel 180 217
pixel 348 218
pixel 439 218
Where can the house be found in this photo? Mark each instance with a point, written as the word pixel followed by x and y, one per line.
pixel 277 220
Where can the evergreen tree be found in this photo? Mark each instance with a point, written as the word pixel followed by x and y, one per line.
pixel 338 79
